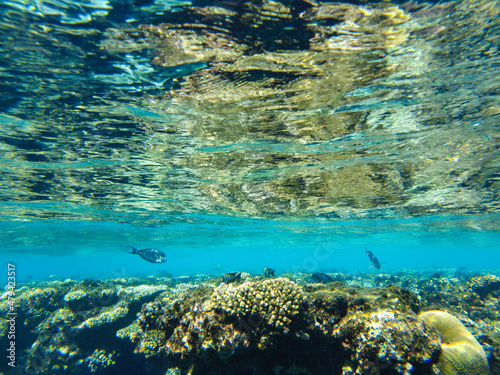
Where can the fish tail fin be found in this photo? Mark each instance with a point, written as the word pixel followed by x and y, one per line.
pixel 134 250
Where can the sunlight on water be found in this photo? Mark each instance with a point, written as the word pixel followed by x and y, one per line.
pixel 347 112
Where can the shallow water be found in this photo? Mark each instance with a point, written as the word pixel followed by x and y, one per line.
pixel 196 130
pixel 234 135
pixel 214 245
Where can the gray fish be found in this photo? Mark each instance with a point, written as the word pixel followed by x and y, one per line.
pixel 231 277
pixel 319 277
pixel 269 272
pixel 373 259
pixel 151 255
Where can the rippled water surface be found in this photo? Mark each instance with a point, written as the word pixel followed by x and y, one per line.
pixel 246 128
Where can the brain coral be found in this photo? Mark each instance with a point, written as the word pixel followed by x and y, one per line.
pixel 461 353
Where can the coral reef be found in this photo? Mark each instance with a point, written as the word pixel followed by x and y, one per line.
pixel 461 353
pixel 484 284
pixel 108 315
pixel 387 338
pixel 267 315
pixel 63 322
pixel 99 360
pixel 275 301
pixel 355 324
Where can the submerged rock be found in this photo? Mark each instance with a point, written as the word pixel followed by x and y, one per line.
pixel 64 324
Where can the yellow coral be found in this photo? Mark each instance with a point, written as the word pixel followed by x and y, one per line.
pixel 461 353
pixel 100 360
pixel 275 300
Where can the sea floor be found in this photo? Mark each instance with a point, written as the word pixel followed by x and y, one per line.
pixel 362 323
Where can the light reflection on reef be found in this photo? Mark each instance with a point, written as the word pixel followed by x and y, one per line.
pixel 269 109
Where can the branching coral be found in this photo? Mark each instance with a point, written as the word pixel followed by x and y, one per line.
pixel 276 300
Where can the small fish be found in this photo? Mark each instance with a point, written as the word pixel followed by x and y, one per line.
pixel 319 277
pixel 269 272
pixel 231 277
pixel 151 255
pixel 373 259
pixel 218 267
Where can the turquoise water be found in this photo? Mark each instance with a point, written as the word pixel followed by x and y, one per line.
pixel 212 245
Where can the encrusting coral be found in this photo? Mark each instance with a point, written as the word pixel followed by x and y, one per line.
pixel 461 353
pixel 65 318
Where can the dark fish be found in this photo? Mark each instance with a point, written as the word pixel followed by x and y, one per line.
pixel 269 272
pixel 373 259
pixel 151 255
pixel 231 277
pixel 319 277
